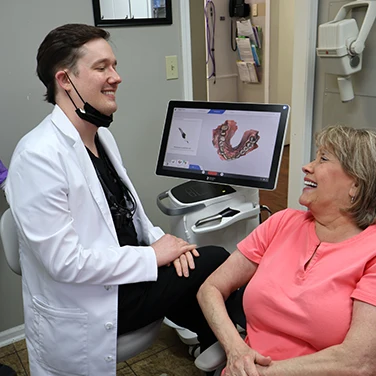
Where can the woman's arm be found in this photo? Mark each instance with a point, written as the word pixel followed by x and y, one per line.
pixel 234 273
pixel 355 356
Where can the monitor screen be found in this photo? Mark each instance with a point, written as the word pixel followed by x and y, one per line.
pixel 229 143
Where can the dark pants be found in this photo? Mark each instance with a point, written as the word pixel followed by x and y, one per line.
pixel 174 297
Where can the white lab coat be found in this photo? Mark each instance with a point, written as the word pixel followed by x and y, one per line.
pixel 70 257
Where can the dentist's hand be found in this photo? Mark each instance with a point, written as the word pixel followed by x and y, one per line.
pixel 169 249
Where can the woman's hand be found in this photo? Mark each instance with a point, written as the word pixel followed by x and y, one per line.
pixel 185 262
pixel 242 361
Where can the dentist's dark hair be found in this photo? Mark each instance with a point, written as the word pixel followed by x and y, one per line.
pixel 356 152
pixel 61 49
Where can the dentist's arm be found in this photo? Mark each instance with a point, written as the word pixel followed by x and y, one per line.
pixel 234 273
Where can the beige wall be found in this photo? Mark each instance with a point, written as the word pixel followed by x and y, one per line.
pixel 281 51
pixel 198 50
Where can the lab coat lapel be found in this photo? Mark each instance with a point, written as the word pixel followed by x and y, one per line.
pixel 94 185
pixel 70 132
pixel 117 165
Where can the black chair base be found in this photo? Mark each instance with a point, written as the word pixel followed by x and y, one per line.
pixel 6 371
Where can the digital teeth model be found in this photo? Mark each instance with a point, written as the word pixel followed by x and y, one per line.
pixel 222 136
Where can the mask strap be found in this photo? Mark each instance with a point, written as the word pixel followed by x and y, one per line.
pixel 89 113
pixel 74 87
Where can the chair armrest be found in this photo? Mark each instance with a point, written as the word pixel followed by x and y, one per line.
pixel 212 358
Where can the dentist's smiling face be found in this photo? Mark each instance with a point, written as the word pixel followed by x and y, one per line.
pixel 97 79
pixel 327 187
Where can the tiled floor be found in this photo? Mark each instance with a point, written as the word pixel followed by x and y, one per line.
pixel 15 356
pixel 168 356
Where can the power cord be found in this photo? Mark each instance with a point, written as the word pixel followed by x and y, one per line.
pixel 233 35
pixel 264 208
pixel 210 17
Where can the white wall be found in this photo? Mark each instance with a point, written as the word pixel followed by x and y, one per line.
pixel 114 9
pixel 142 99
pixel 279 47
pixel 258 93
pixel 142 9
pixel 316 101
pixel 224 87
pixel 361 112
pixel 305 31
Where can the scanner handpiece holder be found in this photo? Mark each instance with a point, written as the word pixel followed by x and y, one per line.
pixel 226 217
pixel 211 214
pixel 228 212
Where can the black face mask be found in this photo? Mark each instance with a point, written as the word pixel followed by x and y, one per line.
pixel 89 113
pixel 93 116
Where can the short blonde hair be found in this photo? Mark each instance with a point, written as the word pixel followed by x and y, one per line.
pixel 356 151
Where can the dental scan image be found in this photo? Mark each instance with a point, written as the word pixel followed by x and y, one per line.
pixel 222 136
pixel 235 144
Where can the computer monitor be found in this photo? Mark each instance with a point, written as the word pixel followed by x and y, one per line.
pixel 228 143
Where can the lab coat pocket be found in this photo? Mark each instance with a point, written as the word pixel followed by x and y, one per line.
pixel 62 339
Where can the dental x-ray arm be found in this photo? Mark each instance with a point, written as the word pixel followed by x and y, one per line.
pixel 357 46
pixel 341 44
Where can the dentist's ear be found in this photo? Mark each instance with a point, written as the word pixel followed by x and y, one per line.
pixel 63 81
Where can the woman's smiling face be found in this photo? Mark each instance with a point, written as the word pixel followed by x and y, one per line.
pixel 327 186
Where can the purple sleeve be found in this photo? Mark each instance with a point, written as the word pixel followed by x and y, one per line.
pixel 3 172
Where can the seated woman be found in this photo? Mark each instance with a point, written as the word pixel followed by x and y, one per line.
pixel 310 302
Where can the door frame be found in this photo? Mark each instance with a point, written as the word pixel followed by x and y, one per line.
pixel 303 83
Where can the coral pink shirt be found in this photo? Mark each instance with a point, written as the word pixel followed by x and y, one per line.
pixel 293 310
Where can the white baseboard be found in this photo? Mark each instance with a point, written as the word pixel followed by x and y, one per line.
pixel 12 335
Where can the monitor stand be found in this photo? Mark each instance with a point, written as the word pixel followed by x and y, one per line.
pixel 196 191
